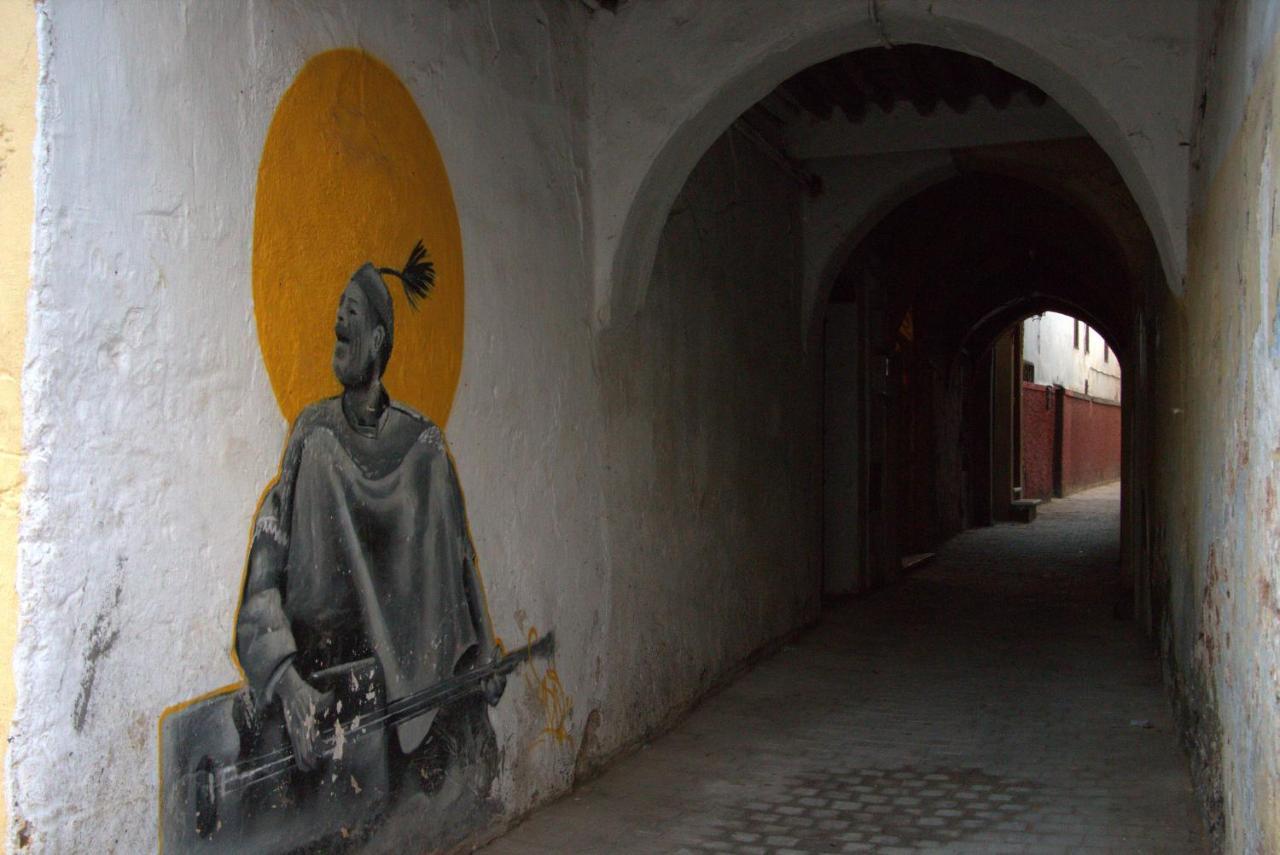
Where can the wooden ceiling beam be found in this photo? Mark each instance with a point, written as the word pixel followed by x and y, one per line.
pixel 799 89
pixel 830 80
pixel 881 89
pixel 956 72
pixel 913 66
pixel 924 76
pixel 997 85
pixel 781 105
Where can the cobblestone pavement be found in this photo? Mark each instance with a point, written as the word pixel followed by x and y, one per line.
pixel 988 703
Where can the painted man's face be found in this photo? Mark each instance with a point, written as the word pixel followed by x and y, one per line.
pixel 358 337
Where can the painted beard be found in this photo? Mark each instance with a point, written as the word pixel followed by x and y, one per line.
pixel 352 361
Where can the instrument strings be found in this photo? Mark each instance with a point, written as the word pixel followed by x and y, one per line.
pixel 275 763
pixel 284 756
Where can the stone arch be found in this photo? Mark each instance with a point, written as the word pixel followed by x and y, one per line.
pixel 1090 185
pixel 967 257
pixel 973 250
pixel 984 334
pixel 645 146
pixel 834 233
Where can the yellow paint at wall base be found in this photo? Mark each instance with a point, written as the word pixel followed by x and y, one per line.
pixel 18 60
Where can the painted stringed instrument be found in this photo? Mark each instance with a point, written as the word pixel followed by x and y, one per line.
pixel 231 783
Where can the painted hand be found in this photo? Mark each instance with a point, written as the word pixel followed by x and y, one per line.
pixel 301 712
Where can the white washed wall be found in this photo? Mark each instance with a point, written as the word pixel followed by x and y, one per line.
pixel 151 425
pixel 1055 344
pixel 152 428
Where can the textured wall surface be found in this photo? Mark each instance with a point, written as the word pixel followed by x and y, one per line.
pixel 151 423
pixel 1039 423
pixel 1216 520
pixel 1090 442
pixel 842 455
pixel 1089 447
pixel 713 496
pixel 17 211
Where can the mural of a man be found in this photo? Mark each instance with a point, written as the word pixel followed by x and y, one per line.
pixel 360 550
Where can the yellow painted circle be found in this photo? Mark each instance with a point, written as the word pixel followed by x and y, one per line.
pixel 350 173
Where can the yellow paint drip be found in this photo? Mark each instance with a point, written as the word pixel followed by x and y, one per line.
pixel 556 705
pixel 17 210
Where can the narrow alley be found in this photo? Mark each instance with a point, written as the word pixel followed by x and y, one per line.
pixel 606 426
pixel 989 702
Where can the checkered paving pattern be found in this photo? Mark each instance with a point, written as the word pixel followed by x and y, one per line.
pixel 988 703
pixel 866 810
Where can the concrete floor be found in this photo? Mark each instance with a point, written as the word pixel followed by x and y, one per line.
pixel 988 703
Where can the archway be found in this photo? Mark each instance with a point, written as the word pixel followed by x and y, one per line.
pixel 929 294
pixel 715 393
pixel 647 146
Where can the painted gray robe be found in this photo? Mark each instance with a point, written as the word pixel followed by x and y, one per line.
pixel 361 548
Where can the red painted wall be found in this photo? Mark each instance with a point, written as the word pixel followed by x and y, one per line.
pixel 1039 409
pixel 1090 442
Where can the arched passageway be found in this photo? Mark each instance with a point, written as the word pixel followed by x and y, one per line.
pixel 647 146
pixel 895 399
pixel 916 337
pixel 717 345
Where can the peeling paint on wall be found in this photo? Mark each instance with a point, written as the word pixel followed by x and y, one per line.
pixel 1223 638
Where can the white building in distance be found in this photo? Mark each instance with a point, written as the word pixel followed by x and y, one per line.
pixel 1059 350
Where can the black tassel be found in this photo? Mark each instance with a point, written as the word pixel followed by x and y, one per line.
pixel 418 275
